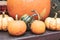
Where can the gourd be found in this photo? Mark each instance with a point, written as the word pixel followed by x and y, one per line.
pixel 27 18
pixel 53 23
pixel 4 20
pixel 17 27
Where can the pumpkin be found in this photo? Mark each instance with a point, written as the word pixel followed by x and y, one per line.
pixel 53 23
pixel 17 27
pixel 38 26
pixel 25 6
pixel 4 20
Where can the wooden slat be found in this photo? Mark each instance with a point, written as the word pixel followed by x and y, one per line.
pixel 3 2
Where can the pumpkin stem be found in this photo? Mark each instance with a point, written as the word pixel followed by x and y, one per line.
pixel 36 13
pixel 3 15
pixel 55 15
pixel 16 17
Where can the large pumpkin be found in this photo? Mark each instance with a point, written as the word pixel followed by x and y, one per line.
pixel 21 7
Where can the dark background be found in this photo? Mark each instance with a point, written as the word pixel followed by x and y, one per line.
pixel 57 2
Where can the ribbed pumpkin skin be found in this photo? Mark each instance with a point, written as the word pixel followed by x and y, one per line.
pixel 25 6
pixel 17 28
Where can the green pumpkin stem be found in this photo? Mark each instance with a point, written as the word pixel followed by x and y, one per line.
pixel 55 15
pixel 16 17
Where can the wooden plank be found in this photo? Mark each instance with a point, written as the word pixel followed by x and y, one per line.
pixel 3 2
pixel 48 35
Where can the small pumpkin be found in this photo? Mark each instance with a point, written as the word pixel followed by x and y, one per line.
pixel 4 20
pixel 17 27
pixel 53 23
pixel 38 26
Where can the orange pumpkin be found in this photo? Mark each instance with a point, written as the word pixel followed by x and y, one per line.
pixel 37 26
pixel 53 23
pixel 4 20
pixel 17 27
pixel 25 6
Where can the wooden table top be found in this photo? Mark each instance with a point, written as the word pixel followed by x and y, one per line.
pixel 29 36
